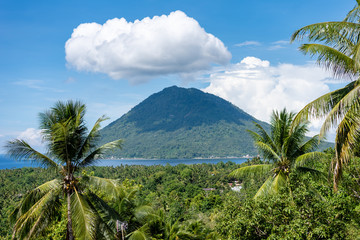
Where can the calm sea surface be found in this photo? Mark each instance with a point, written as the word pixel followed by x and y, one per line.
pixel 6 163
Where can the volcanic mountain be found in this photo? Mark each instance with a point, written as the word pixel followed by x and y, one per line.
pixel 182 123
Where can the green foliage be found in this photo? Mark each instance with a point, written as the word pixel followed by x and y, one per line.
pixel 302 216
pixel 336 45
pixel 182 123
pixel 137 201
pixel 285 149
pixel 70 147
pixel 165 202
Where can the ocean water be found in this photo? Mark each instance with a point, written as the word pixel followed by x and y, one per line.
pixel 7 163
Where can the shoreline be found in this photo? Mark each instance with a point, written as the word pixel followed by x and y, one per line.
pixel 157 159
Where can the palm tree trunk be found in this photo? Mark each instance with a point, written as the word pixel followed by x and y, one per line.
pixel 69 230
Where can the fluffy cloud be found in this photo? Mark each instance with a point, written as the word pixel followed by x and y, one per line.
pixel 32 136
pixel 258 88
pixel 143 49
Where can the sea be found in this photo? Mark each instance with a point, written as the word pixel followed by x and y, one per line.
pixel 8 163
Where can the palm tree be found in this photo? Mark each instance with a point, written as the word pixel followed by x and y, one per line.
pixel 284 149
pixel 70 148
pixel 337 47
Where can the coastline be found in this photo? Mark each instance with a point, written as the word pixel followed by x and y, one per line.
pixel 196 158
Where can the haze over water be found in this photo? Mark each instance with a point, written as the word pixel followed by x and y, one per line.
pixel 6 163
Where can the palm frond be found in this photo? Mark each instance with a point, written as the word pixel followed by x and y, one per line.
pixel 339 63
pixel 292 145
pixel 142 213
pixel 34 196
pixel 252 170
pixel 107 216
pixel 111 187
pixel 272 185
pixel 262 136
pixel 280 128
pixel 64 129
pixel 353 15
pixel 280 181
pixel 96 154
pixel 264 189
pixel 347 135
pixel 307 157
pixel 22 151
pixel 304 148
pixel 341 107
pixel 31 221
pixel 142 233
pixel 93 135
pixel 61 146
pixel 320 107
pixel 83 217
pixel 267 151
pixel 340 35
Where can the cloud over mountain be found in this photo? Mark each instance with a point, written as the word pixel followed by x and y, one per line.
pixel 257 87
pixel 144 49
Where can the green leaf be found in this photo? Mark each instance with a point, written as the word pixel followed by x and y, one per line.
pixel 36 211
pixel 252 170
pixel 307 157
pixel 83 217
pixel 96 154
pixel 21 150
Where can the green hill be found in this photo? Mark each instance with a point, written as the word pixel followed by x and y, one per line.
pixel 183 123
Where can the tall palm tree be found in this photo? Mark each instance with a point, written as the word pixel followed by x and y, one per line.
pixel 285 150
pixel 70 148
pixel 337 47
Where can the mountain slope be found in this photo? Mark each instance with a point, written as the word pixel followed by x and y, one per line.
pixel 182 123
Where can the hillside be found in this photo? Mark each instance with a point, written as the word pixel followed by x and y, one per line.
pixel 182 123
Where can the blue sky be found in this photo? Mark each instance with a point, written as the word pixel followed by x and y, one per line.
pixel 235 49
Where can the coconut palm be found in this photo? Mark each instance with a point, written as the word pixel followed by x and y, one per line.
pixel 284 149
pixel 70 148
pixel 337 47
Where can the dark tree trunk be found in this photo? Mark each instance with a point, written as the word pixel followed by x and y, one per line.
pixel 69 230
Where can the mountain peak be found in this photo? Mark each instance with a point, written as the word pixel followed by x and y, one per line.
pixel 182 123
pixel 175 107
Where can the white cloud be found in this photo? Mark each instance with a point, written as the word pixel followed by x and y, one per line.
pixel 257 87
pixel 279 45
pixel 248 43
pixel 144 49
pixel 281 42
pixel 32 136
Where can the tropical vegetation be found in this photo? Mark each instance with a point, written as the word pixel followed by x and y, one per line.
pixel 70 148
pixel 336 45
pixel 284 150
pixel 283 195
pixel 196 201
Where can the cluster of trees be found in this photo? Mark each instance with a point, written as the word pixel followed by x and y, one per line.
pixel 196 202
pixel 164 197
pixel 290 194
